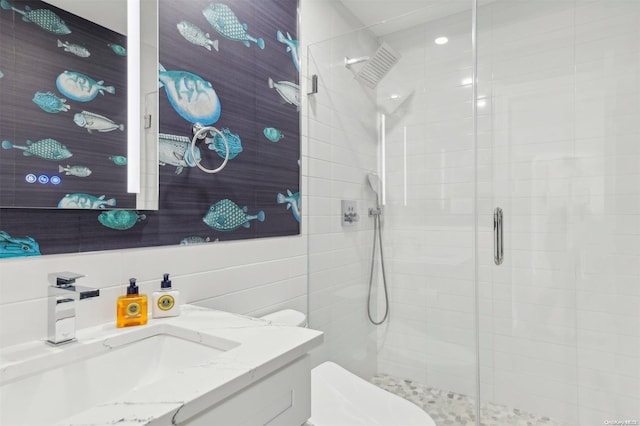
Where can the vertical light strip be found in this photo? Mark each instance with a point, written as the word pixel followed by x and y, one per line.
pixel 404 155
pixel 383 155
pixel 442 178
pixel 133 96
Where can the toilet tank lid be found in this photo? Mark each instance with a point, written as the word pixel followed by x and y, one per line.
pixel 287 317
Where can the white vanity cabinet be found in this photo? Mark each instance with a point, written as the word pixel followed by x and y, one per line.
pixel 283 398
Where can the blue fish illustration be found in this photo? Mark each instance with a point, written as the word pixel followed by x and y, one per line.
pixel 293 202
pixel 1 74
pixel 225 215
pixel 194 240
pixel 117 49
pixel 50 103
pixel 84 201
pixel 273 134
pixel 193 98
pixel 176 151
pixel 49 149
pixel 44 18
pixel 194 35
pixel 120 219
pixel 224 21
pixel 217 144
pixel 292 47
pixel 118 160
pixel 289 91
pixel 76 49
pixel 17 247
pixel 81 88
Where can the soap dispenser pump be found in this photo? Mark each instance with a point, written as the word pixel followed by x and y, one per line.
pixel 166 300
pixel 132 307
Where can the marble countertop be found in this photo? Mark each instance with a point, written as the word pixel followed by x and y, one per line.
pixel 251 349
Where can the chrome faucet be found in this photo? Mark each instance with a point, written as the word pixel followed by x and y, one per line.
pixel 62 305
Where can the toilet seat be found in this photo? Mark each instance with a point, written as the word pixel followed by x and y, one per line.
pixel 340 398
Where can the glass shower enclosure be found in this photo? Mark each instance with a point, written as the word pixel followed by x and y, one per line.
pixel 506 139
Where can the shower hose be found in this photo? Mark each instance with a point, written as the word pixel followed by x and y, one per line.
pixel 377 238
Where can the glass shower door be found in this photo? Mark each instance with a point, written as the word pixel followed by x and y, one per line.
pixel 414 130
pixel 559 152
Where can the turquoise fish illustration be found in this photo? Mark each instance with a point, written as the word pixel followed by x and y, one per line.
pixel 194 240
pixel 17 247
pixel 49 149
pixel 1 74
pixel 292 47
pixel 293 202
pixel 224 21
pixel 176 151
pixel 50 103
pixel 117 49
pixel 217 144
pixel 44 18
pixel 194 35
pixel 92 121
pixel 79 171
pixel 76 49
pixel 79 200
pixel 192 97
pixel 273 134
pixel 225 215
pixel 120 220
pixel 79 87
pixel 289 91
pixel 118 160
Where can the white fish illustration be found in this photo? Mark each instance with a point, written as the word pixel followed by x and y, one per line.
pixel 194 35
pixel 92 121
pixel 77 50
pixel 79 171
pixel 289 91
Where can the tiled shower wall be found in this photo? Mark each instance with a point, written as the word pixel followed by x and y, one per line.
pixel 428 216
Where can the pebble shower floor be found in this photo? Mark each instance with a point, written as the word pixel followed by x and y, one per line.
pixel 450 408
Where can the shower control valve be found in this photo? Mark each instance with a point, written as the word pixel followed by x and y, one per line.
pixel 349 212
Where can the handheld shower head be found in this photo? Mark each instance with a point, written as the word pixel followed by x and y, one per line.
pixel 374 182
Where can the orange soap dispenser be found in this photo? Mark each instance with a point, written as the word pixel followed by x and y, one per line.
pixel 132 307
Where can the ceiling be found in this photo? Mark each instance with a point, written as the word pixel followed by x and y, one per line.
pixel 413 12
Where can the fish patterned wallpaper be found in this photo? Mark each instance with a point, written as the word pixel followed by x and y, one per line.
pixel 63 110
pixel 232 65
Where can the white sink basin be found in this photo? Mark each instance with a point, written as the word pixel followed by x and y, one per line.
pixel 79 376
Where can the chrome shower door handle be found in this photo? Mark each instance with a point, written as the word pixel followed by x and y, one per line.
pixel 498 242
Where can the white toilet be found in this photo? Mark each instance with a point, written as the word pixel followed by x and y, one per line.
pixel 340 398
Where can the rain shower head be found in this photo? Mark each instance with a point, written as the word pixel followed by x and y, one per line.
pixel 376 67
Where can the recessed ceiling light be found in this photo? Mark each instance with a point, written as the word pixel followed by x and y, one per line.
pixel 441 40
pixel 394 96
pixel 467 81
